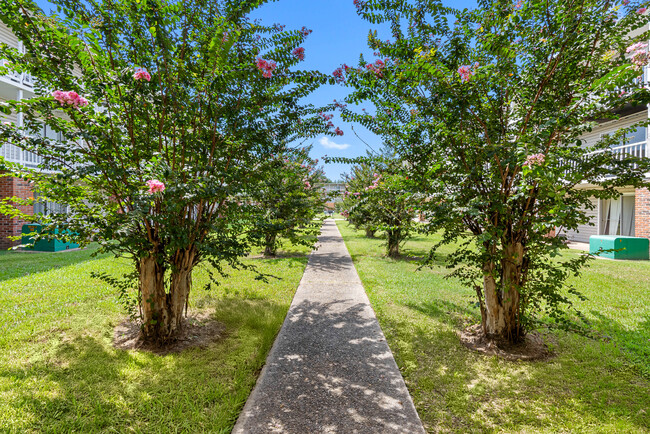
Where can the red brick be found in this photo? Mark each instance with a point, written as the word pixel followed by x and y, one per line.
pixel 10 187
pixel 642 213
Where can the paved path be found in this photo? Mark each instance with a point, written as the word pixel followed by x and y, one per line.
pixel 330 369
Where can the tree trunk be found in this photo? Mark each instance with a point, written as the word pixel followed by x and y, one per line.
pixel 501 320
pixel 370 233
pixel 393 243
pixel 153 300
pixel 162 312
pixel 269 245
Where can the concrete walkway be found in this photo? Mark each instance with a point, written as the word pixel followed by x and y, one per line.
pixel 330 369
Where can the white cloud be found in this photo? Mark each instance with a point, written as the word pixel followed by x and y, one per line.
pixel 329 144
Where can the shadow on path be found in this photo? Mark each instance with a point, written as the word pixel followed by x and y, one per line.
pixel 330 369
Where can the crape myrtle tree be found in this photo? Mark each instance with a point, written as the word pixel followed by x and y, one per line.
pixel 380 199
pixel 488 108
pixel 289 200
pixel 361 176
pixel 168 112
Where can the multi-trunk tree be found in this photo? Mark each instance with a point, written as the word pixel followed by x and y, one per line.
pixel 168 112
pixel 360 177
pixel 488 108
pixel 378 198
pixel 289 199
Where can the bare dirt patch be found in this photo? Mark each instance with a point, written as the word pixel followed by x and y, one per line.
pixel 532 348
pixel 200 330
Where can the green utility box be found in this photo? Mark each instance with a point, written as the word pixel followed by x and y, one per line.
pixel 44 245
pixel 627 247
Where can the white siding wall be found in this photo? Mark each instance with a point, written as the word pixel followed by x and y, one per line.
pixel 7 37
pixel 583 232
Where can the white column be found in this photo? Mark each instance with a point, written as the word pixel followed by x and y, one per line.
pixel 599 210
pixel 20 122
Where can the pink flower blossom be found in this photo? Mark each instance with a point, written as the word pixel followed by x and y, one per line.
pixel 359 4
pixel 376 67
pixel 465 72
pixel 305 31
pixel 639 53
pixel 636 47
pixel 641 10
pixel 338 131
pixel 535 159
pixel 266 67
pixel 141 74
pixel 626 2
pixel 155 186
pixel 338 75
pixel 307 185
pixel 70 98
pixel 519 4
pixel 299 53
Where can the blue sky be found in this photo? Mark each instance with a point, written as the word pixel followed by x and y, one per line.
pixel 339 36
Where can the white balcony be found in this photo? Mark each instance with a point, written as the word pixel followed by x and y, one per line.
pixel 14 154
pixel 21 79
pixel 639 149
pixel 630 150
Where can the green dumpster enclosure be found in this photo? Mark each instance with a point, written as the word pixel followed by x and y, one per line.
pixel 54 245
pixel 627 247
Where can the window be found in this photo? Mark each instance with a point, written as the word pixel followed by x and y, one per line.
pixel 47 208
pixel 617 216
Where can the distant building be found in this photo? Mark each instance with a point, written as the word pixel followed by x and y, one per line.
pixel 334 192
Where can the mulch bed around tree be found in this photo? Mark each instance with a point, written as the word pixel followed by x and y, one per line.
pixel 532 348
pixel 200 331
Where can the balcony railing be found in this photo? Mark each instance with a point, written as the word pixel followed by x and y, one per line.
pixel 639 149
pixel 14 154
pixel 621 152
pixel 17 77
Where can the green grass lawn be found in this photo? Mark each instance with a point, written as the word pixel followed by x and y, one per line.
pixel 60 373
pixel 589 386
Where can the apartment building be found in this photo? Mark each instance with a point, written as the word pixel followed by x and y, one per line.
pixel 628 215
pixel 14 86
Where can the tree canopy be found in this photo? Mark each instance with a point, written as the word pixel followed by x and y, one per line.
pixel 487 108
pixel 167 112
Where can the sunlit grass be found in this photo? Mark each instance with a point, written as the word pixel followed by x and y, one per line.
pixel 60 373
pixel 589 386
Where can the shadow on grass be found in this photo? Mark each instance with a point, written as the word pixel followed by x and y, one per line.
pixel 20 264
pixel 85 385
pixel 447 312
pixel 418 256
pixel 462 391
pixel 635 344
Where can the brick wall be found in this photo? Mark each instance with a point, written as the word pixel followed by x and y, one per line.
pixel 642 212
pixel 10 187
